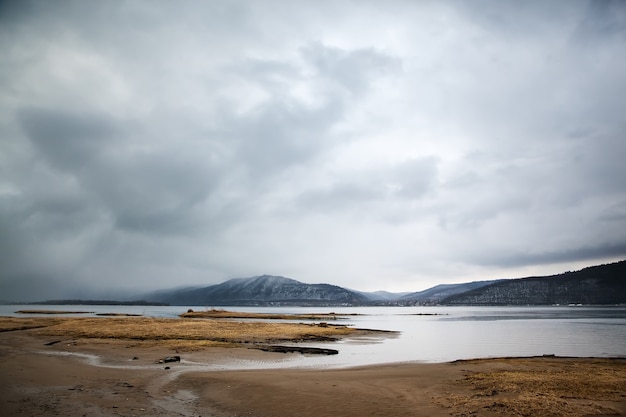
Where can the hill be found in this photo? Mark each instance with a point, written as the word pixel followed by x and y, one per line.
pixel 434 295
pixel 600 285
pixel 382 297
pixel 260 291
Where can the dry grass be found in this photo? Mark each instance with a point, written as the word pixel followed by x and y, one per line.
pixel 224 314
pixel 183 333
pixel 541 387
pixel 9 324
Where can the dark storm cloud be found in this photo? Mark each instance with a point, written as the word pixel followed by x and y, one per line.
pixel 604 19
pixel 69 141
pixel 576 254
pixel 615 213
pixel 281 134
pixel 150 190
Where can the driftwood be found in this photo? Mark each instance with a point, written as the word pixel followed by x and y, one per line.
pixel 301 349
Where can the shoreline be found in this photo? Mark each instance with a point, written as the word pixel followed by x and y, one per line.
pixel 120 377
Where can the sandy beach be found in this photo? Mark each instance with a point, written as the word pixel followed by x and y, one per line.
pixel 42 375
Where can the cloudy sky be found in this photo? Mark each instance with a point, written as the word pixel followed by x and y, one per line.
pixel 375 145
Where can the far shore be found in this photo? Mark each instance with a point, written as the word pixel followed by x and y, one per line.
pixel 52 312
pixel 103 366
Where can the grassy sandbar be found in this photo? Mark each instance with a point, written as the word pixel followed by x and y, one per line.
pixel 52 312
pixel 224 314
pixel 184 333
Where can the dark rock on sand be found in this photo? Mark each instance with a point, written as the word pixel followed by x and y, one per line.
pixel 301 349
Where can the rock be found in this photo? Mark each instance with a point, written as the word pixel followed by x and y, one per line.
pixel 301 349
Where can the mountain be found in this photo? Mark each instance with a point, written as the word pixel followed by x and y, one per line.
pixel 382 296
pixel 434 295
pixel 602 284
pixel 262 290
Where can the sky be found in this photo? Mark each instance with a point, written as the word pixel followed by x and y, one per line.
pixel 374 145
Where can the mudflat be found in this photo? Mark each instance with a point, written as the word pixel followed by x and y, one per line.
pixel 47 373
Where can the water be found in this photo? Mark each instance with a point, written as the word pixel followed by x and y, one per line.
pixel 447 334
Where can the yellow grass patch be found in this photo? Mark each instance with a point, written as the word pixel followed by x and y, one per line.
pixel 532 387
pixel 8 324
pixel 182 330
pixel 224 314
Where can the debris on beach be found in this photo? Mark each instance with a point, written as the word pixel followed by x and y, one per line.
pixel 170 359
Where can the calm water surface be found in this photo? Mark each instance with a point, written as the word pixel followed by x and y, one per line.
pixel 451 333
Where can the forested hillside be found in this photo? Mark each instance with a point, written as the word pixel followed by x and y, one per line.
pixel 603 284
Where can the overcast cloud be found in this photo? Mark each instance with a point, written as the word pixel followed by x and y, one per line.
pixel 375 145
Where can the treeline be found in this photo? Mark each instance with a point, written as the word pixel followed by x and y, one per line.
pixel 599 285
pixel 101 303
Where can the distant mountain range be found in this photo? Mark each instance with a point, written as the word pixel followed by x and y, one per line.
pixel 599 285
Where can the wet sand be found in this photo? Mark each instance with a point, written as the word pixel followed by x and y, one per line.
pixel 120 377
